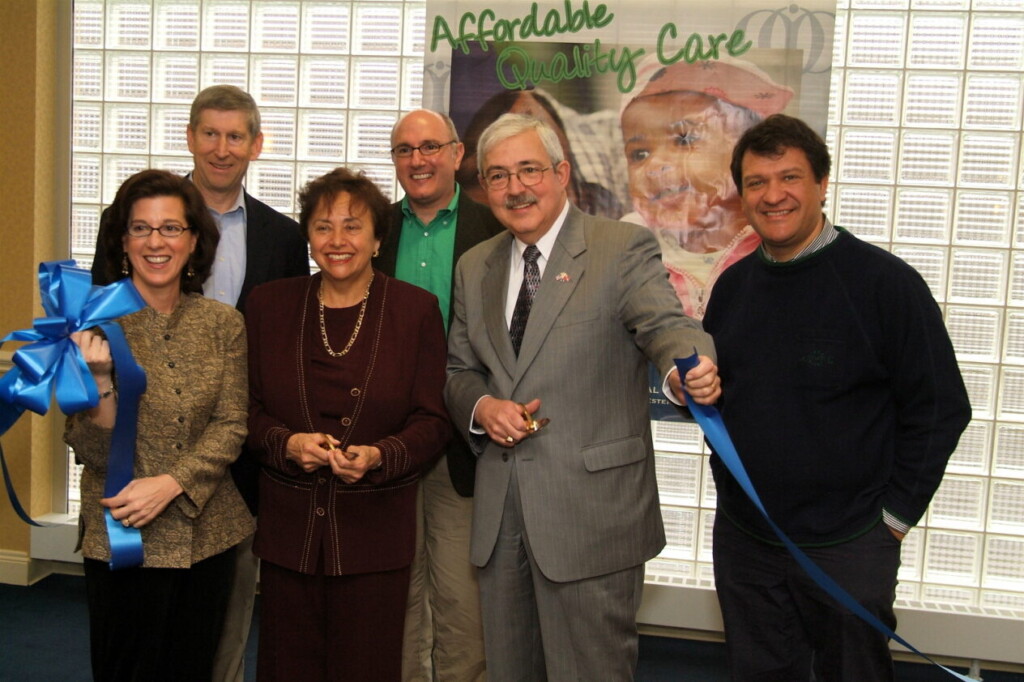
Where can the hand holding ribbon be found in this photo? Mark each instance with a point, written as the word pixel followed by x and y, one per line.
pixel 52 364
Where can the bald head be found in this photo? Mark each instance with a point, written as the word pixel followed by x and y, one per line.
pixel 421 116
pixel 426 152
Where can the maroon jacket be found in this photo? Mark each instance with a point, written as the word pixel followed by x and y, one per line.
pixel 387 391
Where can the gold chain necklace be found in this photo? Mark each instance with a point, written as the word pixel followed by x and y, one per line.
pixel 355 332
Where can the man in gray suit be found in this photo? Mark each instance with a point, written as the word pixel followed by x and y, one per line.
pixel 566 514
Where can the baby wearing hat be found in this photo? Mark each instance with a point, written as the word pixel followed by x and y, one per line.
pixel 679 126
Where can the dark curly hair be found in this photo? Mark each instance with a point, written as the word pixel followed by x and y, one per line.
pixel 364 192
pixel 157 183
pixel 772 137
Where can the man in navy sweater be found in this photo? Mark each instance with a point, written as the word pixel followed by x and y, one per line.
pixel 842 394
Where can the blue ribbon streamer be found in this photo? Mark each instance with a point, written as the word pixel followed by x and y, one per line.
pixel 53 365
pixel 710 421
pixel 125 543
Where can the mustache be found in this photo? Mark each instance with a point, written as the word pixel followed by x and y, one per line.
pixel 519 201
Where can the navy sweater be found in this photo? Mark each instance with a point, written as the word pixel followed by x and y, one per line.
pixel 840 389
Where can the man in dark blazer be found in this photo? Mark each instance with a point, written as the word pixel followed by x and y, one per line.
pixel 433 225
pixel 565 514
pixel 257 245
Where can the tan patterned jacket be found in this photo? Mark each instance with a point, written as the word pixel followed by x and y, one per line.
pixel 192 421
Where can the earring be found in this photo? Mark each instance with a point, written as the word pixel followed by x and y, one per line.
pixel 190 273
pixel 124 264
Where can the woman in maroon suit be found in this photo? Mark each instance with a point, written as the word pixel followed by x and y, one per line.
pixel 347 369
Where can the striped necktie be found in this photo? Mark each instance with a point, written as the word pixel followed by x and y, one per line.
pixel 531 281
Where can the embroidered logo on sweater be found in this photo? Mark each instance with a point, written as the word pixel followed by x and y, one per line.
pixel 818 358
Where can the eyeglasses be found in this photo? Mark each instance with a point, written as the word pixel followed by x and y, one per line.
pixel 170 230
pixel 498 178
pixel 404 151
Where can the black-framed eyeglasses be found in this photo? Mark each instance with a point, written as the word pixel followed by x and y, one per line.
pixel 498 178
pixel 404 151
pixel 169 230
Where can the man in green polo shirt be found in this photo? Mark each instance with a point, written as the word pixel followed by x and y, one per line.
pixel 434 224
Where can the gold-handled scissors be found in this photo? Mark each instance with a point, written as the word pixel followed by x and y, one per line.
pixel 532 425
pixel 331 446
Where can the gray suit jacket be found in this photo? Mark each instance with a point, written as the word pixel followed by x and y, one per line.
pixel 587 482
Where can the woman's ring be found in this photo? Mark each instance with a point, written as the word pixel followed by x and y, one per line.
pixel 510 440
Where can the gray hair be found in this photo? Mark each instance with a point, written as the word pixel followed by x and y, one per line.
pixel 226 98
pixel 510 125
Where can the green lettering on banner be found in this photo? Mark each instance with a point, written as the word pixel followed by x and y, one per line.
pixel 518 70
pixel 694 49
pixel 552 23
pixel 475 29
pixel 508 29
pixel 441 31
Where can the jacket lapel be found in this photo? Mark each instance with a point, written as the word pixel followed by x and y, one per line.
pixel 561 276
pixel 388 260
pixel 257 257
pixel 494 285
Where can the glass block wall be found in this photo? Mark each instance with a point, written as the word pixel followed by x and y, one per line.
pixel 925 125
pixel 330 79
pixel 925 129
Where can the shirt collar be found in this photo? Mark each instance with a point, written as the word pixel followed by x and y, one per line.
pixel 827 235
pixel 239 202
pixel 546 243
pixel 452 205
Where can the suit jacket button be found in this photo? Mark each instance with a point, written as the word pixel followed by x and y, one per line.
pixel 320 511
pixel 346 421
pixel 504 457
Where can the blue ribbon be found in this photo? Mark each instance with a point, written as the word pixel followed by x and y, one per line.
pixel 52 364
pixel 710 421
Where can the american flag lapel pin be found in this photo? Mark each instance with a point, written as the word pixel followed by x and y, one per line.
pixel 562 277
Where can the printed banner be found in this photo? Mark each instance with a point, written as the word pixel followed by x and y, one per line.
pixel 648 100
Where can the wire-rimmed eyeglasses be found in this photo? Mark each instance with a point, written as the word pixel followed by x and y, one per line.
pixel 169 230
pixel 403 151
pixel 498 178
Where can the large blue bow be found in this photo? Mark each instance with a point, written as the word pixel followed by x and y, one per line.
pixel 52 364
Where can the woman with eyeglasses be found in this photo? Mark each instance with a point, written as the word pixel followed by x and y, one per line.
pixel 162 620
pixel 346 371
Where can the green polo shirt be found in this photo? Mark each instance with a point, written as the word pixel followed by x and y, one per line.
pixel 426 252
